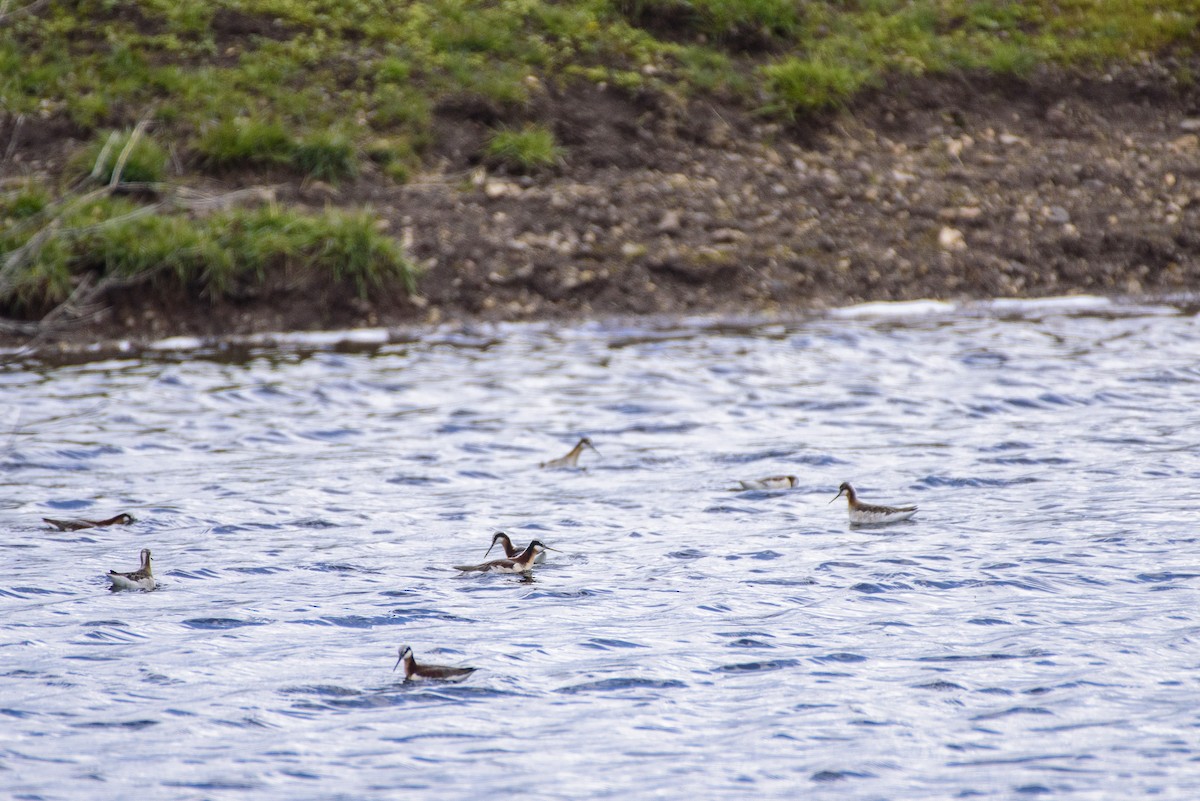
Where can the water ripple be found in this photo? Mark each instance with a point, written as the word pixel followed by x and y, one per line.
pixel 221 623
pixel 1029 633
pixel 611 685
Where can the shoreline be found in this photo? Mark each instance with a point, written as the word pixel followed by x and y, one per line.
pixel 944 188
pixel 476 333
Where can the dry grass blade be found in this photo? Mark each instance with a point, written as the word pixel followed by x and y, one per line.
pixel 12 139
pixel 82 304
pixel 202 203
pixel 138 130
pixel 18 257
pixel 102 159
pixel 29 9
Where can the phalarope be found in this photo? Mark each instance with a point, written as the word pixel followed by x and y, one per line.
pixel 140 579
pixel 866 513
pixel 771 482
pixel 518 564
pixel 415 672
pixel 572 457
pixel 510 551
pixel 77 523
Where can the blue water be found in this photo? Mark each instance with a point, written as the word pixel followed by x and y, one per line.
pixel 1032 633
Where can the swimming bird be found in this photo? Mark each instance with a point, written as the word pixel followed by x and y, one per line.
pixel 867 514
pixel 509 550
pixel 572 457
pixel 140 579
pixel 518 564
pixel 771 482
pixel 415 672
pixel 77 523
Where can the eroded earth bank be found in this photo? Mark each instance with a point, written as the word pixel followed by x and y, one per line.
pixel 933 188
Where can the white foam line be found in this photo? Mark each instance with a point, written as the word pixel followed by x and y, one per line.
pixel 902 308
pixel 176 343
pixel 1060 303
pixel 320 339
pixel 357 336
pixel 913 309
pixel 1073 304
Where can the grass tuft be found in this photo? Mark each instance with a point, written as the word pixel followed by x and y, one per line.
pixel 524 150
pixel 799 86
pixel 326 156
pixel 355 251
pixel 134 244
pixel 235 143
pixel 22 203
pixel 147 161
pixel 1011 58
pixel 218 255
pixel 397 107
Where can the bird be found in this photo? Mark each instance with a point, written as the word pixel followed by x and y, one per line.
pixel 867 513
pixel 140 579
pixel 510 551
pixel 518 564
pixel 415 672
pixel 572 457
pixel 771 482
pixel 77 523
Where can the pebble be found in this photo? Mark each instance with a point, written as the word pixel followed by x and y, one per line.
pixel 951 239
pixel 497 189
pixel 727 235
pixel 1185 143
pixel 1056 214
pixel 670 222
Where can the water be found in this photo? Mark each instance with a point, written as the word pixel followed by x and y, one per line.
pixel 1032 633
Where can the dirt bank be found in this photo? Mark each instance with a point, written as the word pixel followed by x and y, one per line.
pixel 962 187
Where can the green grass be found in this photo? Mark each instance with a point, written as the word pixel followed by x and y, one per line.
pixel 145 163
pixel 278 76
pixel 527 149
pixel 326 155
pixel 214 255
pixel 803 85
pixel 240 143
pixel 252 144
pixel 21 203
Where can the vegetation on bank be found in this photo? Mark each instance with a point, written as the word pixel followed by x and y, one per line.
pixel 312 90
pixel 49 246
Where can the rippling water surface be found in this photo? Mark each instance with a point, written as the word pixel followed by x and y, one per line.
pixel 1031 633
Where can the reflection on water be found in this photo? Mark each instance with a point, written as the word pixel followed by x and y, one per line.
pixel 1029 633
